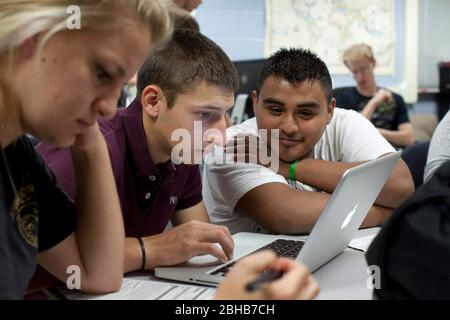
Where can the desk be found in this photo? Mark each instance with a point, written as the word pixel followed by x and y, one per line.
pixel 345 276
pixel 342 278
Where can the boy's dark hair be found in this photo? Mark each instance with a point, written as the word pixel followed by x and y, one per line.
pixel 187 58
pixel 296 66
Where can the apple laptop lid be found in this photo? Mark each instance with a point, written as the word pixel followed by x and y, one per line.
pixel 344 213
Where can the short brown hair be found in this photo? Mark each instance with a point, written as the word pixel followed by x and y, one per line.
pixel 189 57
pixel 358 51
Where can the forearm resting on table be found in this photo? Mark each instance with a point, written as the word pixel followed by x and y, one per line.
pixel 325 175
pixel 296 213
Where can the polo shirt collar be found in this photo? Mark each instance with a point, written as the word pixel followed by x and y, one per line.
pixel 137 142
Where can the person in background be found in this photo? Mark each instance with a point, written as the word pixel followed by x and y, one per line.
pixel 182 19
pixel 188 5
pixel 384 108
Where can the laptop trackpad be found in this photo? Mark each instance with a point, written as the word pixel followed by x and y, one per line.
pixel 204 260
pixel 209 260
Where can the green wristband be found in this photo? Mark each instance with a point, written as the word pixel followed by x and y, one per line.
pixel 292 168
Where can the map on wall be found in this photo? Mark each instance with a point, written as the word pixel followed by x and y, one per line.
pixel 328 27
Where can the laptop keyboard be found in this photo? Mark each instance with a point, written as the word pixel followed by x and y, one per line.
pixel 282 248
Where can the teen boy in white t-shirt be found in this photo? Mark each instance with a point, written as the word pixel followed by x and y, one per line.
pixel 317 143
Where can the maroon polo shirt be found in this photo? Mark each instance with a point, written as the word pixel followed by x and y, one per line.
pixel 149 193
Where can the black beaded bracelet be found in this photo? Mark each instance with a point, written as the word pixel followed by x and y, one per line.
pixel 144 255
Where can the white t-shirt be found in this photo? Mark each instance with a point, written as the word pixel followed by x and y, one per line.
pixel 349 137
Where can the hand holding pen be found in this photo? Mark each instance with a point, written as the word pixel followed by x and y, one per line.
pixel 264 276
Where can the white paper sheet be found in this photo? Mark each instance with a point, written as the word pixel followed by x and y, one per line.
pixel 362 243
pixel 133 289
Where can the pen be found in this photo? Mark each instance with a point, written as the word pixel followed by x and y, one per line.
pixel 263 278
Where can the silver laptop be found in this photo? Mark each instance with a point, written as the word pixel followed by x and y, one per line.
pixel 345 211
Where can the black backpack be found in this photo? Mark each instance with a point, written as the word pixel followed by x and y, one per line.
pixel 413 247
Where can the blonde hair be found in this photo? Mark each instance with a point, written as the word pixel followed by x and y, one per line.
pixel 357 52
pixel 21 19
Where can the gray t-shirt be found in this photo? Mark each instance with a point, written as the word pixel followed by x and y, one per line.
pixel 439 151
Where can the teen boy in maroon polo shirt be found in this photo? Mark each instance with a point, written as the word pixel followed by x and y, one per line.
pixel 190 79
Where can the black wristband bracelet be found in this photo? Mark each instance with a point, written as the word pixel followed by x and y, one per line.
pixel 144 255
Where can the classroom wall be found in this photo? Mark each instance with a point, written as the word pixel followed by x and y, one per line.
pixel 434 41
pixel 238 27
